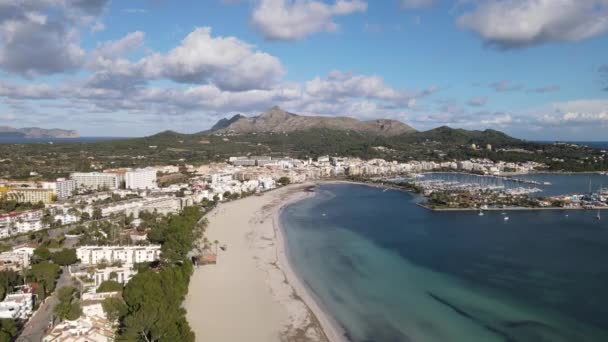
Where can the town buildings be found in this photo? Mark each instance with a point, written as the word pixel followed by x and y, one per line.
pixel 96 180
pixel 141 179
pixel 17 306
pixel 126 255
pixel 17 259
pixel 65 188
pixel 31 195
pixel 92 326
pixel 20 222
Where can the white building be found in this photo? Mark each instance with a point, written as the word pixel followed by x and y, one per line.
pixel 18 223
pixel 141 179
pixel 67 218
pixel 127 255
pixel 17 306
pixel 18 259
pixel 96 180
pixel 166 169
pixel 163 205
pixel 64 188
pixel 221 178
pixel 123 274
pixel 92 326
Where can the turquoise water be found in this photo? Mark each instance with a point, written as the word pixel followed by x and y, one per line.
pixel 388 270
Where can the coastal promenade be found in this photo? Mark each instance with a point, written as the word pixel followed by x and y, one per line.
pixel 252 294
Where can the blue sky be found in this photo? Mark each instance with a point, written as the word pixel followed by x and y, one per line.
pixel 536 69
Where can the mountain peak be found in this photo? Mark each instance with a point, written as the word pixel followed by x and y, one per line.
pixel 277 120
pixel 275 112
pixel 223 123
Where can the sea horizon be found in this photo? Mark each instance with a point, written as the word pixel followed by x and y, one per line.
pixel 89 139
pixel 84 139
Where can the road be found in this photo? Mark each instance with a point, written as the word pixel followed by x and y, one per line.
pixel 35 328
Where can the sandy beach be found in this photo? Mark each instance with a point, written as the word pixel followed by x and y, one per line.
pixel 252 293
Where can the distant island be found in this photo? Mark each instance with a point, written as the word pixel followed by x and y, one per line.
pixel 36 133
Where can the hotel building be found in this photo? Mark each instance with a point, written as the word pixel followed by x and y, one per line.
pixel 32 195
pixel 141 179
pixel 64 188
pixel 96 180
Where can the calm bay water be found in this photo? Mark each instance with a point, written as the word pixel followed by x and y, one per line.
pixel 388 270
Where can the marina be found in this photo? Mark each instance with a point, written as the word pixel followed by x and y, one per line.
pixel 536 184
pixel 462 191
pixel 432 185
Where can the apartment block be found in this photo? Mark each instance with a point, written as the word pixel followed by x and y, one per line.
pixel 96 180
pixel 127 255
pixel 141 179
pixel 64 188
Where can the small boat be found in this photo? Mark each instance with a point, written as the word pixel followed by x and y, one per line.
pixel 503 213
pixel 506 218
pixel 480 213
pixel 599 217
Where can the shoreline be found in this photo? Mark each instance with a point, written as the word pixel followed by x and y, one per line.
pixel 332 330
pixel 254 286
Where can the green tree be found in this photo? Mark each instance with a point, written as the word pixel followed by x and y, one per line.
pixel 284 181
pixel 66 256
pixel 47 220
pixel 8 330
pixel 181 235
pixel 97 215
pixel 8 280
pixel 154 306
pixel 109 286
pixel 75 311
pixel 69 306
pixel 45 273
pixel 129 219
pixel 41 254
pixel 85 216
pixel 115 308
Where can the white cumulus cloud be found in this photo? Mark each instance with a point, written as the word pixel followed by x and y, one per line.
pixel 296 19
pixel 226 62
pixel 510 24
pixel 42 37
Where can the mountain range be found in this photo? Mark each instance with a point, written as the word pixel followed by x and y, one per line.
pixel 36 133
pixel 277 120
